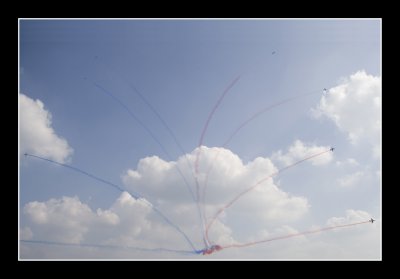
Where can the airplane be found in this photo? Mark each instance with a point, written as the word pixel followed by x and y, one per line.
pixel 332 148
pixel 273 52
pixel 26 154
pixel 372 220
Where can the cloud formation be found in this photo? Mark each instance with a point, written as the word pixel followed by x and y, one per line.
pixel 36 133
pixel 131 221
pixel 262 213
pixel 355 106
pixel 223 175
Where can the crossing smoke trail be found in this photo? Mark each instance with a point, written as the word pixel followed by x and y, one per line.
pixel 203 132
pixel 164 123
pixel 232 135
pixel 257 114
pixel 108 246
pixel 156 113
pixel 230 203
pixel 136 196
pixel 149 132
pixel 172 134
pixel 158 142
pixel 196 164
pixel 292 235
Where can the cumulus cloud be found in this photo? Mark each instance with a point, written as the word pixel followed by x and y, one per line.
pixel 36 133
pixel 263 213
pixel 355 106
pixel 223 175
pixel 128 222
pixel 299 150
pixel 65 219
pixel 132 222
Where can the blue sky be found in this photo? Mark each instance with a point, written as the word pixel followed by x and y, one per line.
pixel 182 67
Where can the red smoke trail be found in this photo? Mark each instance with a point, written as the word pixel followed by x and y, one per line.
pixel 254 116
pixel 254 186
pixel 292 235
pixel 201 143
pixel 209 119
pixel 257 114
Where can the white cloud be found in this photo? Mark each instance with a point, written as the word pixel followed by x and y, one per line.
pixel 265 212
pixel 64 220
pixel 351 179
pixel 36 134
pixel 299 150
pixel 228 177
pixel 355 106
pixel 128 222
pixel 131 222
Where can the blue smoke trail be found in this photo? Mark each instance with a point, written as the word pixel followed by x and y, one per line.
pixel 83 172
pixel 109 246
pixel 177 143
pixel 172 134
pixel 160 118
pixel 149 132
pixel 136 196
pixel 155 138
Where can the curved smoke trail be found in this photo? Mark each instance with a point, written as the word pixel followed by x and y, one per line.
pixel 241 194
pixel 196 164
pixel 135 195
pixel 241 126
pixel 149 132
pixel 150 106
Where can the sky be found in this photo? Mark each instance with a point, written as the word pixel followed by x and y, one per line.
pixel 167 123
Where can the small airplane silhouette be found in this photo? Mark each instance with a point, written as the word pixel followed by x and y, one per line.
pixel 332 148
pixel 372 220
pixel 26 154
pixel 273 52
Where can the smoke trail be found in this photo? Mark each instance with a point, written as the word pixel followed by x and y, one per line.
pixel 164 123
pixel 292 235
pixel 136 196
pixel 209 119
pixel 230 203
pixel 150 133
pixel 172 134
pixel 108 246
pixel 242 125
pixel 196 166
pixel 149 105
pixel 257 114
